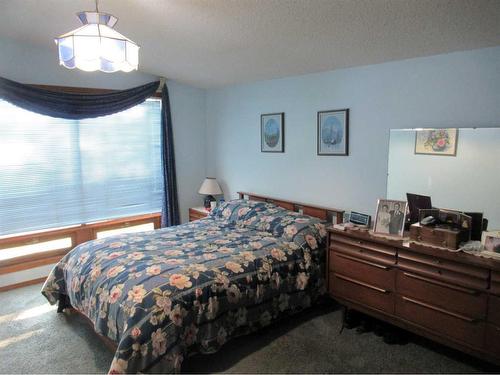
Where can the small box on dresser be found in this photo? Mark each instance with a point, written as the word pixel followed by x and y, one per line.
pixel 442 237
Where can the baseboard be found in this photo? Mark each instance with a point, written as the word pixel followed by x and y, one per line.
pixel 24 283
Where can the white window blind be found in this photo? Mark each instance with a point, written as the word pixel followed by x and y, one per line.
pixel 56 172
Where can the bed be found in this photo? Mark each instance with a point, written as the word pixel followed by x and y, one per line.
pixel 163 295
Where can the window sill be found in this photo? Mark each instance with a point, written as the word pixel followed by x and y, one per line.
pixel 78 234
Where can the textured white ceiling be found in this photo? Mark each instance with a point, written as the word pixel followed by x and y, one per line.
pixel 211 43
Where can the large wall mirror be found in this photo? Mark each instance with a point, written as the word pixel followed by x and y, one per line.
pixel 458 168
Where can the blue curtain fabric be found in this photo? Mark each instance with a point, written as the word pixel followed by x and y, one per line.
pixel 70 105
pixel 170 210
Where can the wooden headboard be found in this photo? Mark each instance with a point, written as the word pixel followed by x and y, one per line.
pixel 323 213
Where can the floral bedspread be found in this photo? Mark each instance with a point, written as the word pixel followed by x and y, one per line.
pixel 165 294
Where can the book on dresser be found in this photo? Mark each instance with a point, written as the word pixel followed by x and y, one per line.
pixel 452 298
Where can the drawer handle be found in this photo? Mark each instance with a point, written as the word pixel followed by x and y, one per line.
pixel 417 259
pixel 445 285
pixel 435 308
pixel 362 261
pixel 344 247
pixel 361 283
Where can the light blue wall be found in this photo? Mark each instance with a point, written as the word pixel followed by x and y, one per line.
pixel 188 117
pixel 217 131
pixel 454 90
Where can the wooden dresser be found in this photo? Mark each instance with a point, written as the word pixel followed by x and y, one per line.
pixel 452 298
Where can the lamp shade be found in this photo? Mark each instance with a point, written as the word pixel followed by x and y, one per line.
pixel 210 187
pixel 97 46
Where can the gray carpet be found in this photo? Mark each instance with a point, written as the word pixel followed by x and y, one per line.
pixel 35 339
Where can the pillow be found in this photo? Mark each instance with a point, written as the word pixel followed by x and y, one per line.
pixel 240 209
pixel 301 229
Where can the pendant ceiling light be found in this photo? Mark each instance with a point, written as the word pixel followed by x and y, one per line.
pixel 97 46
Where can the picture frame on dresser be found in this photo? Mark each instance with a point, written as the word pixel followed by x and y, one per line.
pixel 333 132
pixel 492 243
pixel 272 132
pixel 390 217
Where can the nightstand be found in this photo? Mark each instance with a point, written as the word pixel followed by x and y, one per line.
pixel 196 213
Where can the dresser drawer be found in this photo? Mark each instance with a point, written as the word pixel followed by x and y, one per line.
pixel 445 264
pixel 442 321
pixel 362 251
pixel 364 244
pixel 368 271
pixel 492 341
pixel 495 283
pixel 361 292
pixel 464 301
pixel 444 270
pixel 494 311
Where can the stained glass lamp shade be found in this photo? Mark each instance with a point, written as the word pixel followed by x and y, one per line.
pixel 97 46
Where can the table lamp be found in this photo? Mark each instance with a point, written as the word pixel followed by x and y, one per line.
pixel 209 187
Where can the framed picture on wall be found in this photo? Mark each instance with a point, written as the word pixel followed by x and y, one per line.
pixel 436 142
pixel 333 132
pixel 272 132
pixel 390 217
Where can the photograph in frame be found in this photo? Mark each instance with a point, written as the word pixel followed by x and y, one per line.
pixel 390 217
pixel 492 243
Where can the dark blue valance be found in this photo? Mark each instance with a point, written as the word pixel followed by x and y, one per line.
pixel 70 105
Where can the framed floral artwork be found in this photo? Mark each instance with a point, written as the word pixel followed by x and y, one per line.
pixel 436 142
pixel 272 132
pixel 333 132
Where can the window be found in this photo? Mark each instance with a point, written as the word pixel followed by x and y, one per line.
pixel 56 172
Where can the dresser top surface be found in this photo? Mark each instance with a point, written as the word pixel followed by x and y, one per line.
pixel 404 244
